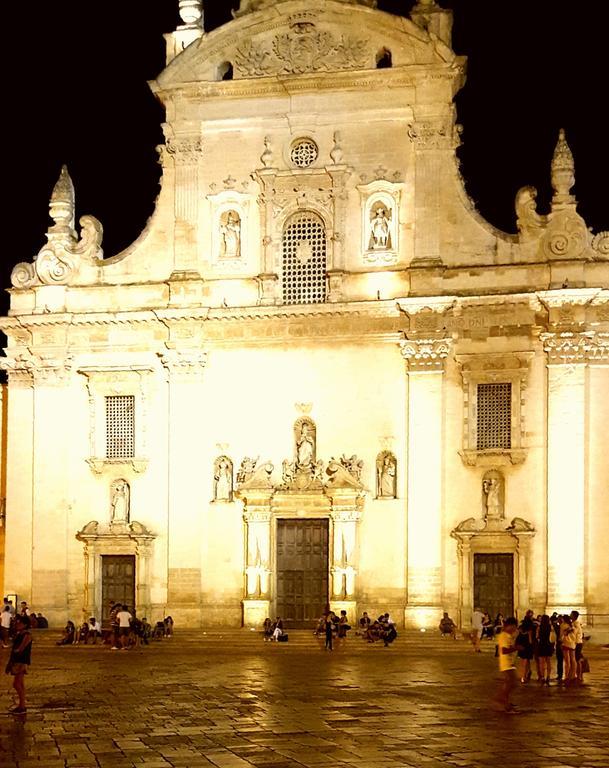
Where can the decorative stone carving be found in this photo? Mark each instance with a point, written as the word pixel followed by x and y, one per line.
pixel 260 477
pixel 563 173
pixel 120 501
pixel 303 49
pixel 566 236
pixel 336 153
pixel 340 477
pixel 305 443
pixel 568 348
pixel 249 6
pixel 58 262
pixel 246 470
pixel 425 354
pixel 266 158
pixel 353 465
pixel 184 363
pixel 519 524
pixel 600 244
pixel 530 223
pixel 223 479
pixel 434 134
pixel 380 234
pixel 191 11
pixel 230 235
pixel 493 486
pixel 186 150
pixel 380 221
pixel 386 476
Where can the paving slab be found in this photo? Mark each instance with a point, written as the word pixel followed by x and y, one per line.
pixel 192 701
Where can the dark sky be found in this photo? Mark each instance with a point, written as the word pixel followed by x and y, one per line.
pixel 75 91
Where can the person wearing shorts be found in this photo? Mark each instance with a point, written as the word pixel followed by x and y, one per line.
pixel 124 626
pixel 506 643
pixel 19 660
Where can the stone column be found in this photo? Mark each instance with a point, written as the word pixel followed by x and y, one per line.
pixel 268 281
pixel 566 460
pixel 185 417
pixel 425 365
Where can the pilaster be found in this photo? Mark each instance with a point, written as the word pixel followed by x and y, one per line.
pixel 425 360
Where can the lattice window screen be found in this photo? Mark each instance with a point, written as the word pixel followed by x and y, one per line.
pixel 120 427
pixel 494 416
pixel 304 259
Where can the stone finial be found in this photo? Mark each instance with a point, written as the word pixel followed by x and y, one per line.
pixel 61 208
pixel 191 12
pixel 336 153
pixel 563 173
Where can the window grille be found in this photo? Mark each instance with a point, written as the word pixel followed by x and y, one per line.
pixel 120 427
pixel 494 416
pixel 304 260
pixel 304 153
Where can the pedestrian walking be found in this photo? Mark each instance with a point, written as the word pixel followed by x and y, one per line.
pixel 19 660
pixel 506 642
pixel 477 622
pixel 329 630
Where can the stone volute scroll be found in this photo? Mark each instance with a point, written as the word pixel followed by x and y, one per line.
pixel 120 501
pixel 386 476
pixel 223 479
pixel 59 260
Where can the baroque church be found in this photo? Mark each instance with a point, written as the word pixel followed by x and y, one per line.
pixel 318 377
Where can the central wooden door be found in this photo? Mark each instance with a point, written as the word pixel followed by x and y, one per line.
pixel 494 583
pixel 118 582
pixel 302 571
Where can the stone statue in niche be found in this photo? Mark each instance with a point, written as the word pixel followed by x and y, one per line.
pixel 223 479
pixel 120 495
pixel 304 430
pixel 380 233
pixel 386 476
pixel 492 487
pixel 230 232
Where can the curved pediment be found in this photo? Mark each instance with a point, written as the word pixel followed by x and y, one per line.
pixel 295 38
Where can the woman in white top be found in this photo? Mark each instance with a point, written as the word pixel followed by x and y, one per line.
pixel 567 640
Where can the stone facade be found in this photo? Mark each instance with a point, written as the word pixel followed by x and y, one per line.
pixel 315 290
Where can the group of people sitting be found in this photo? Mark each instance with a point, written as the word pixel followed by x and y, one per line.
pixel 126 630
pixel 381 628
pixel 272 631
pixel 7 619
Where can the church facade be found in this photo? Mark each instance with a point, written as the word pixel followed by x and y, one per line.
pixel 318 376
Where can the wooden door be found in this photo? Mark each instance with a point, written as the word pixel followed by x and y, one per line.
pixel 302 571
pixel 118 582
pixel 494 583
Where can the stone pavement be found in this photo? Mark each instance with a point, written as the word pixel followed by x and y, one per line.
pixel 236 702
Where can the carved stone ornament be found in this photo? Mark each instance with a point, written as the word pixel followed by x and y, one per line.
pixel 340 477
pixel 353 465
pixel 184 150
pixel 386 476
pixel 600 244
pixel 249 6
pixel 246 470
pixel 563 172
pixel 566 236
pixel 58 262
pixel 37 369
pixel 303 49
pixel 259 477
pixel 184 362
pixel 530 223
pixel 473 526
pixel 223 479
pixel 120 501
pixel 425 354
pixel 94 530
pixel 434 134
pixel 575 348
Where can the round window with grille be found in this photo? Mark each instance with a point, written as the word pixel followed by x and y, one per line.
pixel 304 259
pixel 304 153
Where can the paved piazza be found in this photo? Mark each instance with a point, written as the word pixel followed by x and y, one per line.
pixel 236 702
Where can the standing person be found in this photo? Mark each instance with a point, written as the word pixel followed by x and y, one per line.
pixel 329 630
pixel 477 621
pixel 567 640
pixel 24 609
pixel 506 642
pixel 579 644
pixel 5 624
pixel 556 622
pixel 546 640
pixel 526 640
pixel 124 626
pixel 114 628
pixel 19 660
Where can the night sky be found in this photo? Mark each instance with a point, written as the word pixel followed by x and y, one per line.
pixel 75 91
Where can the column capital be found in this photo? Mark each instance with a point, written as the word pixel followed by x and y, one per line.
pixel 184 363
pixel 576 348
pixel 425 355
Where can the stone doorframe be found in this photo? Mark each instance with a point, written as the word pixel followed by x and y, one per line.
pixel 514 538
pixel 340 501
pixel 117 538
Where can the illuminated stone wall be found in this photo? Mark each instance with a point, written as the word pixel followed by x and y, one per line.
pixel 424 303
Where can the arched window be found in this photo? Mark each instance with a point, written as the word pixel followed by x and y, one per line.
pixel 304 259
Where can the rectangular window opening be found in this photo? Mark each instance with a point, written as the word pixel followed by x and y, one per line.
pixel 120 427
pixel 494 416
